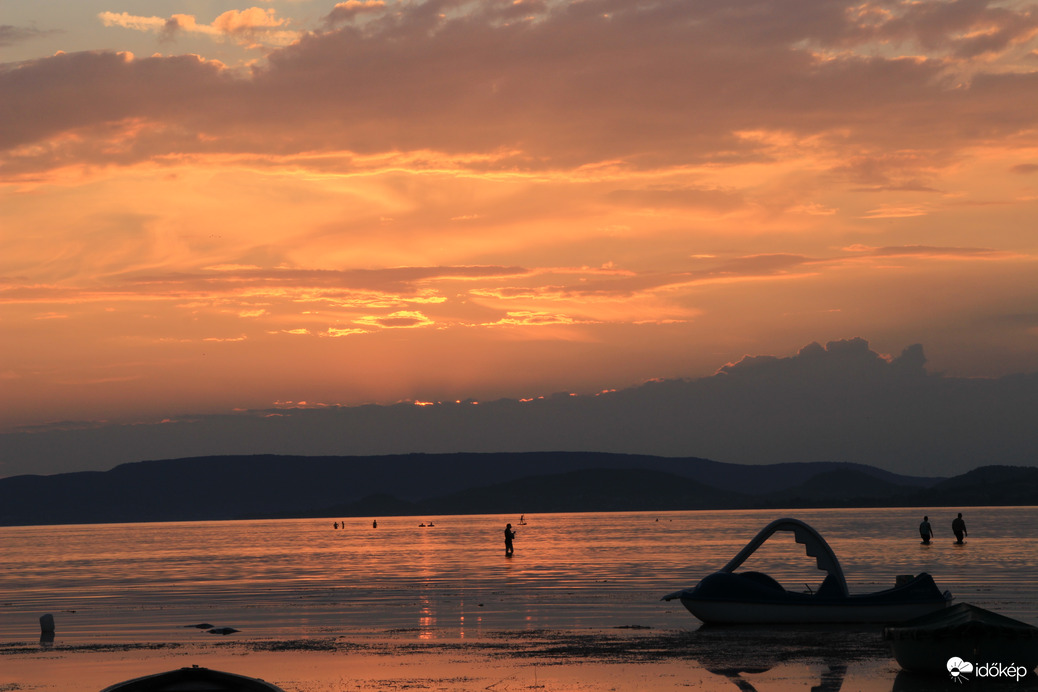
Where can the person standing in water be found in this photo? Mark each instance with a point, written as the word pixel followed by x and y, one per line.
pixel 959 529
pixel 509 536
pixel 925 530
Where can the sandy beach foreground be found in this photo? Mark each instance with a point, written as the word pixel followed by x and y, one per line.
pixel 622 659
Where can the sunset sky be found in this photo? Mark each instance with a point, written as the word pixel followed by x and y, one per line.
pixel 208 206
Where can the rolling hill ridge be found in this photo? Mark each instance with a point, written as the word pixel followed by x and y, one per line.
pixel 239 487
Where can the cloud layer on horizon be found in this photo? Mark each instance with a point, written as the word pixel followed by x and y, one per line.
pixel 840 402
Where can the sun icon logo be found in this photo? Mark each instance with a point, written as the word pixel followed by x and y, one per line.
pixel 958 669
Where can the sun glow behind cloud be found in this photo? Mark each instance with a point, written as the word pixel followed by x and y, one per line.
pixel 389 203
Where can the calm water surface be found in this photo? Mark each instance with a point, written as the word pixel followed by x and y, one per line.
pixel 295 578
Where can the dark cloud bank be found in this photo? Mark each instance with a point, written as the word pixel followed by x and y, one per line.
pixel 843 402
pixel 542 79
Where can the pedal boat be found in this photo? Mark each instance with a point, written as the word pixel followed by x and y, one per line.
pixel 730 597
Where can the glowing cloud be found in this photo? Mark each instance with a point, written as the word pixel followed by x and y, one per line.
pixel 401 319
pixel 526 318
pixel 351 9
pixel 251 26
pixel 212 212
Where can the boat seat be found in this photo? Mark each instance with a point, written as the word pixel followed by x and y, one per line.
pixel 762 579
pixel 830 587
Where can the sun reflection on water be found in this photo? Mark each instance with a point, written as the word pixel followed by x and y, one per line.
pixel 452 579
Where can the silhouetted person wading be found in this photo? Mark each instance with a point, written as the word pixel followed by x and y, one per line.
pixel 509 536
pixel 925 530
pixel 959 528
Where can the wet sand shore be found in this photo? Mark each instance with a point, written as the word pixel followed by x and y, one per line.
pixel 808 659
pixel 620 659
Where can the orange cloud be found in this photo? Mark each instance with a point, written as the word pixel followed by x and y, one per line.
pixel 400 319
pixel 246 21
pixel 351 9
pixel 528 318
pixel 896 211
pixel 766 179
pixel 429 80
pixel 249 26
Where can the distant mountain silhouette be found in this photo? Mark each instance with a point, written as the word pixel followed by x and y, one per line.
pixel 996 485
pixel 841 401
pixel 839 487
pixel 378 505
pixel 233 487
pixel 586 490
pixel 590 490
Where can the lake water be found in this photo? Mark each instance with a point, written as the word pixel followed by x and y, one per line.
pixel 301 578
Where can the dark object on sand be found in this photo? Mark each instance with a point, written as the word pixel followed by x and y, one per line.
pixel 195 679
pixel 927 644
pixel 728 597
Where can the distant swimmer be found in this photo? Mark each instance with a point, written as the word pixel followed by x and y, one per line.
pixel 335 525
pixel 374 523
pixel 926 531
pixel 959 529
pixel 509 537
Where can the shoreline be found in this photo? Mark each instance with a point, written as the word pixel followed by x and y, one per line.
pixel 622 659
pixel 615 659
